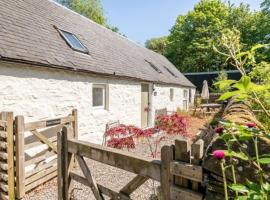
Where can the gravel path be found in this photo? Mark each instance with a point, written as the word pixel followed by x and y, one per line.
pixel 110 177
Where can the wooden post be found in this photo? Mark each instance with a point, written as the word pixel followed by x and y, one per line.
pixel 75 123
pixel 197 154
pixel 20 168
pixel 64 164
pixel 167 156
pixel 182 153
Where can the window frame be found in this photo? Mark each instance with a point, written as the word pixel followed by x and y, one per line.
pixel 185 99
pixel 81 50
pixel 102 86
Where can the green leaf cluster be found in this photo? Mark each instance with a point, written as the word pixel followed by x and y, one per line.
pixel 190 42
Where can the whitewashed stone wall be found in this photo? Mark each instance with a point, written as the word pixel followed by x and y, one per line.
pixel 41 93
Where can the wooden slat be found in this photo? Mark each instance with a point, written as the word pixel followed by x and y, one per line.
pixel 40 175
pixel 39 158
pixel 167 156
pixel 40 181
pixel 106 191
pixel 3 134
pixel 185 194
pixel 89 178
pixel 45 140
pixel 38 143
pixel 41 167
pixel 3 155
pixel 20 169
pixel 182 153
pixel 3 196
pixel 133 185
pixel 3 123
pixel 44 123
pixel 116 158
pixel 10 153
pixel 187 171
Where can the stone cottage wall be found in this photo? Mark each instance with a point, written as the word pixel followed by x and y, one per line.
pixel 42 93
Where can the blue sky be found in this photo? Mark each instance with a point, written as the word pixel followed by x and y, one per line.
pixel 140 20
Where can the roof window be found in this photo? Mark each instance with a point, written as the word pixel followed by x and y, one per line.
pixel 153 66
pixel 73 42
pixel 170 71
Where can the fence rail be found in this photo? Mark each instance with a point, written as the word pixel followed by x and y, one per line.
pixel 178 171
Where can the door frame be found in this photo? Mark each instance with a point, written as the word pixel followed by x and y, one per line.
pixel 150 104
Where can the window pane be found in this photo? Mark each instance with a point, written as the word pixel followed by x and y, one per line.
pixel 98 98
pixel 73 41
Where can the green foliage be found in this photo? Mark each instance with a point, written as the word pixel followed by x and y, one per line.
pixel 189 45
pixel 222 76
pixel 234 135
pixel 91 9
pixel 192 37
pixel 157 44
pixel 265 5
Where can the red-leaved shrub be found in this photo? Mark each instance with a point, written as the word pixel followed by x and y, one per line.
pixel 123 136
pixel 174 124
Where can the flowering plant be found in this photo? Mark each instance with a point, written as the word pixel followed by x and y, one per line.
pixel 237 136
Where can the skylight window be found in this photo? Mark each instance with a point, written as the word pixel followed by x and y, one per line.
pixel 170 71
pixel 153 66
pixel 73 42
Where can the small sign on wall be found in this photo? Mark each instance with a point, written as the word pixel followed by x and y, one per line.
pixel 53 122
pixel 155 93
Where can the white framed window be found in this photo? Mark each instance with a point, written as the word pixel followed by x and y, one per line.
pixel 99 96
pixel 185 99
pixel 171 94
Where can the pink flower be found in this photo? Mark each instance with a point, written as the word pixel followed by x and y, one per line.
pixel 219 129
pixel 251 124
pixel 219 154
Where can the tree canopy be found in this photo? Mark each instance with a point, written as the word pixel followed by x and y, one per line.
pixel 190 42
pixel 89 8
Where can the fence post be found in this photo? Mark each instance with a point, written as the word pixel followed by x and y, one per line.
pixel 182 153
pixel 20 159
pixel 64 163
pixel 7 156
pixel 75 123
pixel 167 156
pixel 197 154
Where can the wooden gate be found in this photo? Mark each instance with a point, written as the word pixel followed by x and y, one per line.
pixel 178 171
pixel 36 150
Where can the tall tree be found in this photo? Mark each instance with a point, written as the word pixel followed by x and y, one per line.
pixel 265 5
pixel 190 44
pixel 157 44
pixel 89 8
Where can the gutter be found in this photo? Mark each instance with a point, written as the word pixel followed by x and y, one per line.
pixel 21 61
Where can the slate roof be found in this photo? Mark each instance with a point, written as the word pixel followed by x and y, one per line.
pixel 28 34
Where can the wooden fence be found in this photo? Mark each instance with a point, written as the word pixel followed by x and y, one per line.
pixel 178 171
pixel 33 148
pixel 6 156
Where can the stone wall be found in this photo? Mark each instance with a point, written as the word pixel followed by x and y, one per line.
pixel 42 93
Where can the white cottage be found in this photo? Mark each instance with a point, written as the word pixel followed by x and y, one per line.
pixel 53 60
